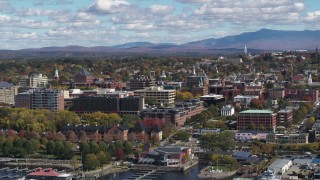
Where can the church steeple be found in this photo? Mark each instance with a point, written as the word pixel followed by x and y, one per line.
pixel 193 71
pixel 245 51
pixel 56 74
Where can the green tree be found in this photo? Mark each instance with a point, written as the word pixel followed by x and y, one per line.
pixel 151 101
pixel 51 146
pixel 183 135
pixel 94 147
pixel 91 162
pixel 85 148
pixel 101 156
pixel 127 147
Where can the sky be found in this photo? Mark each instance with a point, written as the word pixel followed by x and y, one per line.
pixel 42 23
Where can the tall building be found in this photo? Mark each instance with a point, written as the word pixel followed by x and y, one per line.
pixel 34 80
pixel 7 93
pixel 108 104
pixel 41 99
pixel 163 97
pixel 256 120
pixel 141 82
pixel 284 117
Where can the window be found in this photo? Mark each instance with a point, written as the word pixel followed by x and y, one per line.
pixel 115 132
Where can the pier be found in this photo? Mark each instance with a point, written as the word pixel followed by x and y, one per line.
pixel 146 175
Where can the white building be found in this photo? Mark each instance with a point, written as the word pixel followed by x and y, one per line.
pixel 7 93
pixel 244 100
pixel 163 97
pixel 227 110
pixel 34 80
pixel 280 166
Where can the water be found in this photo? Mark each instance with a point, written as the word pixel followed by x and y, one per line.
pixel 11 173
pixel 192 174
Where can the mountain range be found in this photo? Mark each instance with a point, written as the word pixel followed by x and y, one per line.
pixel 264 39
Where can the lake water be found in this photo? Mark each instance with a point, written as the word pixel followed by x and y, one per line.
pixel 192 174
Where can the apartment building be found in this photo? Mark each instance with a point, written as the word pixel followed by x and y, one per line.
pixel 7 93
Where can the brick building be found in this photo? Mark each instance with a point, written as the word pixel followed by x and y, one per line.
pixel 176 115
pixel 83 77
pixel 256 120
pixel 302 95
pixel 284 117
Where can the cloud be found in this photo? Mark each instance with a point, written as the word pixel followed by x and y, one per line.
pixel 26 35
pixel 161 9
pixel 251 11
pixel 107 6
pixel 52 2
pixel 39 12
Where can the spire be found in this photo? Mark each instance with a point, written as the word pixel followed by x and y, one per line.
pixel 193 71
pixel 245 50
pixel 317 50
pixel 310 79
pixel 56 74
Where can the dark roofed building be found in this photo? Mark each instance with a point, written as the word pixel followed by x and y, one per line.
pixel 84 77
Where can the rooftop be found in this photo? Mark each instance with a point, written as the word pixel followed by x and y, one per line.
pixel 5 84
pixel 256 112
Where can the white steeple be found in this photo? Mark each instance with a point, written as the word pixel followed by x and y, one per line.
pixel 245 50
pixel 56 74
pixel 193 71
pixel 310 79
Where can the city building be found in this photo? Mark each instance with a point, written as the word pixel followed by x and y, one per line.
pixel 141 82
pixel 302 95
pixel 227 110
pixel 199 91
pixel 280 166
pixel 284 117
pixel 141 132
pixel 34 80
pixel 7 93
pixel 108 104
pixel 48 174
pixel 118 132
pixel 256 120
pixel 173 115
pixel 166 156
pixel 163 97
pixel 276 93
pixel 83 77
pixel 41 99
pixel 287 138
pixel 244 100
pixel 197 80
pixel 212 99
pixel 250 135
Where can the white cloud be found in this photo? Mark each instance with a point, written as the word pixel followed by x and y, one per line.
pixel 27 35
pixel 107 6
pixel 39 12
pixel 312 16
pixel 161 9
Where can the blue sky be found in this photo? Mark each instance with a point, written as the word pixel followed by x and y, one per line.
pixel 41 23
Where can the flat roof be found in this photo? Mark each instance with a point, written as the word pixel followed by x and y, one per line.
pixel 256 112
pixel 279 163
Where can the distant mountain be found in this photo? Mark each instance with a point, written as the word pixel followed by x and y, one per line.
pixel 132 45
pixel 264 39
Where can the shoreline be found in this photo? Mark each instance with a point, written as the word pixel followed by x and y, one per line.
pixel 107 170
pixel 204 174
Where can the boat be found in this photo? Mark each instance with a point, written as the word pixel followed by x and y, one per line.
pixel 48 174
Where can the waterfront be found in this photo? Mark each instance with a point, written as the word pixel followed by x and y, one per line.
pixel 192 174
